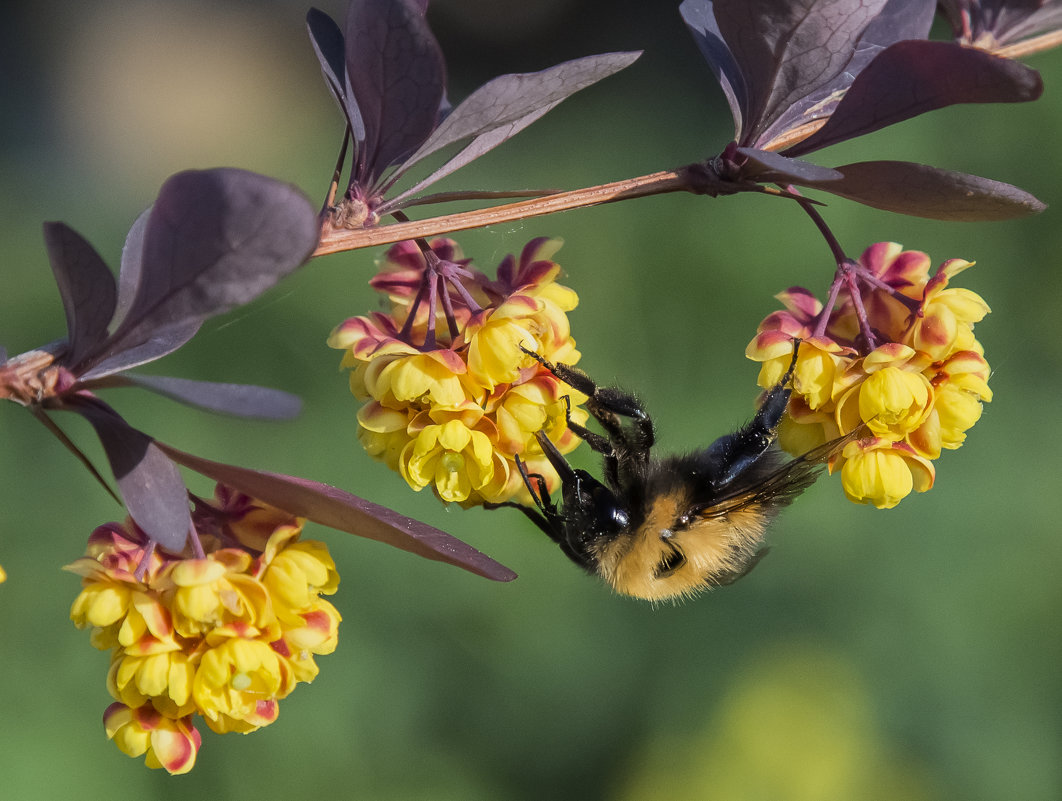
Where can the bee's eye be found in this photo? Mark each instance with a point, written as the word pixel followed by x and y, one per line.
pixel 672 561
pixel 609 515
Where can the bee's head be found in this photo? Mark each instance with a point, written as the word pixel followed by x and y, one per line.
pixel 590 511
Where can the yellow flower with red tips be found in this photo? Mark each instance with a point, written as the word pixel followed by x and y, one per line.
pixel 168 743
pixel 239 680
pixel 883 472
pixel 451 395
pixel 223 634
pixel 896 354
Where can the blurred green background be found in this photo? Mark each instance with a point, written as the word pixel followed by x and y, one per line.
pixel 908 654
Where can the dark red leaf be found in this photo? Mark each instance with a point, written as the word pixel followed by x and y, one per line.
pixel 923 191
pixel 911 78
pixel 214 239
pixel 160 344
pixel 328 44
pixel 786 51
pixel 398 78
pixel 150 483
pixel 767 167
pixel 782 65
pixel 240 400
pixel 86 287
pixel 699 16
pixel 340 510
pixel 130 267
pixel 993 23
pixel 505 106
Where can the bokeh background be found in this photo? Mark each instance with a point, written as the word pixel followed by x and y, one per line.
pixel 909 654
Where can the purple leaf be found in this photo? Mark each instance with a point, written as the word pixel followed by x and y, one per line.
pixel 509 103
pixel 476 148
pixel 132 264
pixel 161 343
pixel 699 17
pixel 215 239
pixel 85 285
pixel 766 167
pixel 992 23
pixel 923 191
pixel 398 78
pixel 241 400
pixel 786 51
pixel 150 483
pixel 328 44
pixel 899 20
pixel 911 78
pixel 340 510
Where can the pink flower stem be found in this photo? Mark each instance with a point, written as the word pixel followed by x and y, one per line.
pixel 145 560
pixel 407 327
pixel 847 274
pixel 831 301
pixel 852 273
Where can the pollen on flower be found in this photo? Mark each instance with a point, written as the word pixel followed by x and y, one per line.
pixel 211 635
pixel 450 395
pixel 896 353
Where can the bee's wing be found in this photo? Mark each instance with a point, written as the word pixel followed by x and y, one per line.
pixel 784 484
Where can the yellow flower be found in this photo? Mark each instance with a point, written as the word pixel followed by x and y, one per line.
pixel 451 407
pixel 893 399
pixel 162 679
pixel 451 457
pixel 495 339
pixel 383 432
pixel 3 575
pixel 317 633
pixel 903 361
pixel 224 635
pixel 239 681
pixel 295 573
pixel 946 316
pixel 168 743
pixel 883 473
pixel 216 590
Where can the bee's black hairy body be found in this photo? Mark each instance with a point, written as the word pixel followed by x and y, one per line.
pixel 660 528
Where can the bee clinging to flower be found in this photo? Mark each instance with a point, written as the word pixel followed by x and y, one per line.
pixel 664 528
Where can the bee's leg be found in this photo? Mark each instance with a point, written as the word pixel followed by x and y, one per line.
pixel 598 443
pixel 607 405
pixel 733 454
pixel 546 516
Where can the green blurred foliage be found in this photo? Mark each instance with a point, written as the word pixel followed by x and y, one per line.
pixel 909 654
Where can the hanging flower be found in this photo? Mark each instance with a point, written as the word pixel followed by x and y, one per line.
pixel 895 353
pixel 451 395
pixel 223 634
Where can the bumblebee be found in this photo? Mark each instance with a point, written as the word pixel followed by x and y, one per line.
pixel 665 528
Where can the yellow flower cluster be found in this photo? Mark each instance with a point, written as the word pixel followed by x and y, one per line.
pixel 898 355
pixel 224 636
pixel 449 394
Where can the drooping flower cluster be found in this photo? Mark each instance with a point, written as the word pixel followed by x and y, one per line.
pixel 224 636
pixel 897 354
pixel 450 394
